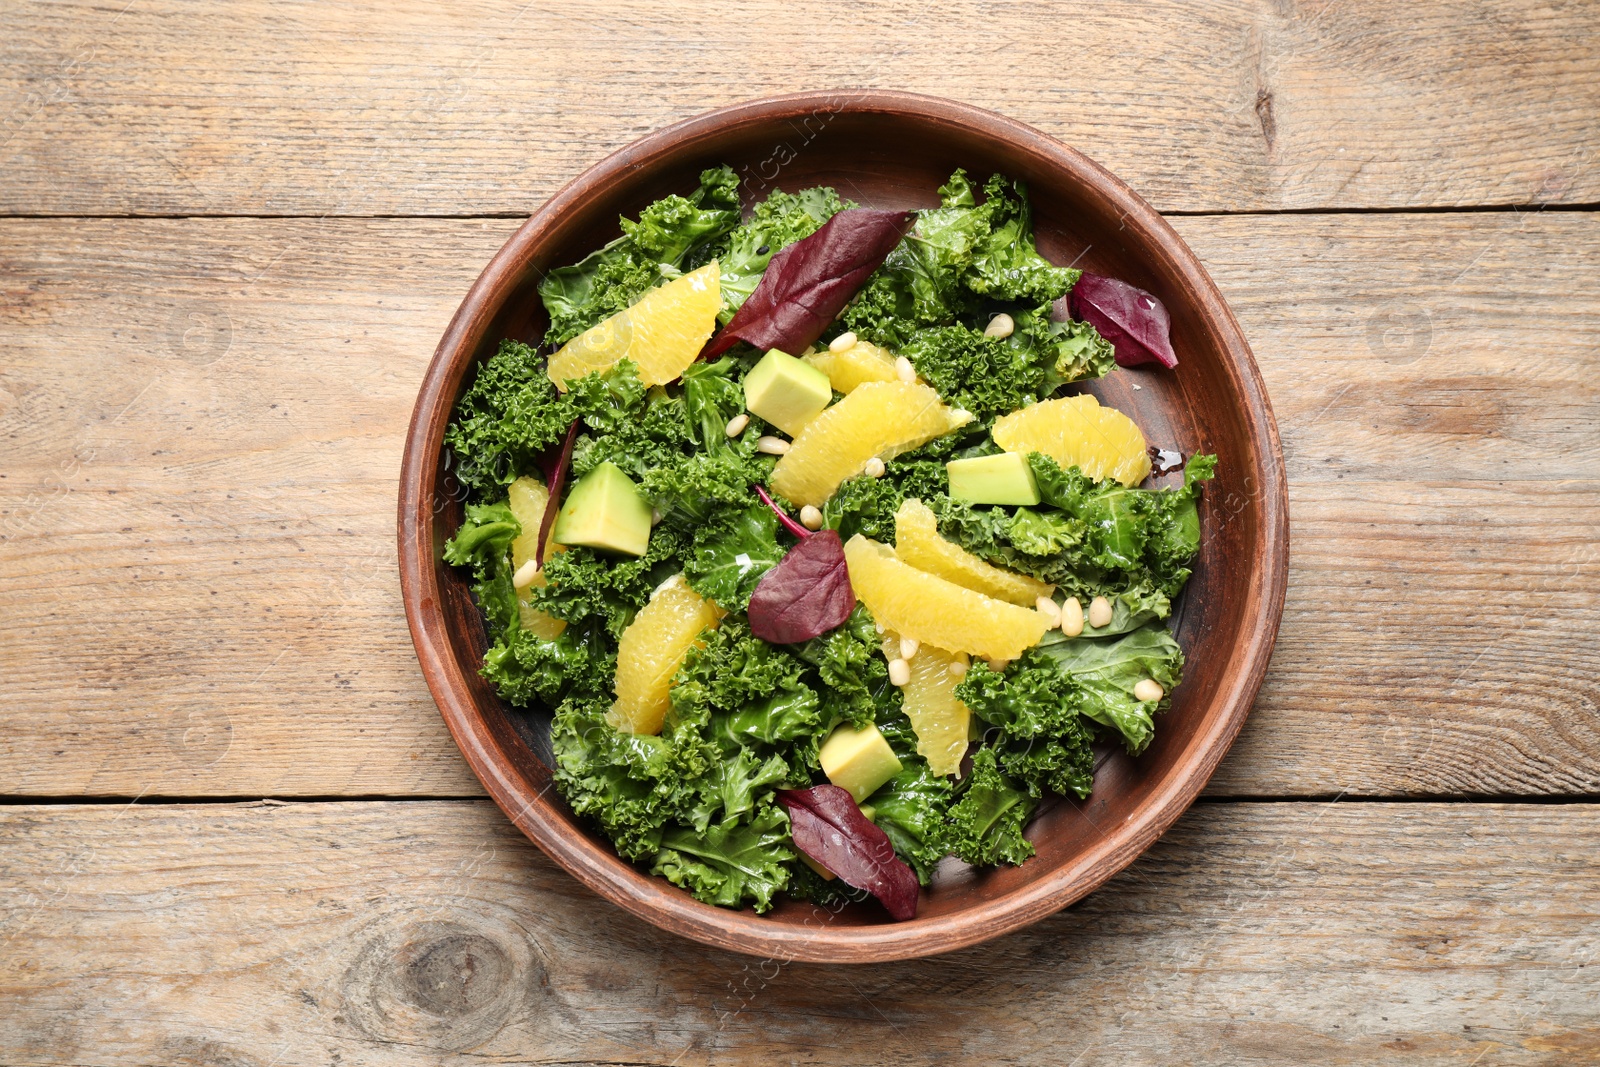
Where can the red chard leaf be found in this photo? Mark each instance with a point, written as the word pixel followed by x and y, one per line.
pixel 1134 321
pixel 807 594
pixel 828 826
pixel 808 283
pixel 555 476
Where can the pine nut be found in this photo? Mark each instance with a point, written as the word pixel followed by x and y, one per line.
pixel 737 424
pixel 899 672
pixel 1072 617
pixel 1148 689
pixel 1001 325
pixel 874 466
pixel 525 574
pixel 1050 609
pixel 904 370
pixel 810 518
pixel 655 516
pixel 878 626
pixel 772 446
pixel 908 648
pixel 998 665
pixel 958 669
pixel 1099 612
pixel 843 341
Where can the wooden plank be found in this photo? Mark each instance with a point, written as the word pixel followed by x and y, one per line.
pixel 414 108
pixel 202 421
pixel 431 932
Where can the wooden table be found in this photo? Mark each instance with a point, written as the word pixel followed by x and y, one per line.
pixel 232 235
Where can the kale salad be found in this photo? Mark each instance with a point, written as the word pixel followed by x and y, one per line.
pixel 793 525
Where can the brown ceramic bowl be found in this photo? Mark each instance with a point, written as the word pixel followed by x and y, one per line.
pixel 888 150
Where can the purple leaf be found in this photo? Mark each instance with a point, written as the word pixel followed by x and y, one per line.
pixel 1135 322
pixel 828 826
pixel 555 476
pixel 808 283
pixel 807 594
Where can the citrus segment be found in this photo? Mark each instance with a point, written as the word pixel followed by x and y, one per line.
pixel 935 611
pixel 881 419
pixel 941 722
pixel 1076 431
pixel 528 499
pixel 862 362
pixel 650 651
pixel 917 542
pixel 662 333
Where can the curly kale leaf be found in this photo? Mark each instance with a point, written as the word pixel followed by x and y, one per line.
pixel 1131 537
pixel 1039 739
pixel 711 398
pixel 865 505
pixel 730 553
pixel 730 863
pixel 649 250
pixel 988 376
pixel 508 416
pixel 779 220
pixel 985 823
pixel 1061 351
pixel 584 583
pixel 855 677
pixel 527 669
pixel 1105 672
pixel 958 257
pixel 625 782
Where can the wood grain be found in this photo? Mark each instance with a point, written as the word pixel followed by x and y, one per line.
pixel 201 423
pixel 414 108
pixel 432 932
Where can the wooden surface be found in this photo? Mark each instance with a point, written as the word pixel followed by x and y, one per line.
pixel 200 424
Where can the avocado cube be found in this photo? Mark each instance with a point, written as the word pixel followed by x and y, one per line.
pixel 786 392
pixel 605 511
pixel 858 761
pixel 1002 479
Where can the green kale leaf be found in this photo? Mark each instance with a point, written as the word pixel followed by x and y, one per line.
pixel 732 862
pixel 985 823
pixel 1105 671
pixel 508 416
pixel 1040 741
pixel 730 552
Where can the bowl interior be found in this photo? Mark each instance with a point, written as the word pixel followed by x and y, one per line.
pixel 892 151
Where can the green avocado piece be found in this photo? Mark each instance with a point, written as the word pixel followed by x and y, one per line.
pixel 858 761
pixel 786 392
pixel 1002 479
pixel 605 511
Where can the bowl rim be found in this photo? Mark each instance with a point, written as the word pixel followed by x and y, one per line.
pixel 655 900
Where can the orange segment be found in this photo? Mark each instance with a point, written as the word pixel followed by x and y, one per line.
pixel 1076 431
pixel 528 499
pixel 941 722
pixel 862 362
pixel 650 651
pixel 935 611
pixel 881 419
pixel 917 542
pixel 662 333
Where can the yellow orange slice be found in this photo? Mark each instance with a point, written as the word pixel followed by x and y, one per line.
pixel 935 611
pixel 528 499
pixel 917 542
pixel 941 722
pixel 881 419
pixel 662 333
pixel 651 650
pixel 1076 431
pixel 862 362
